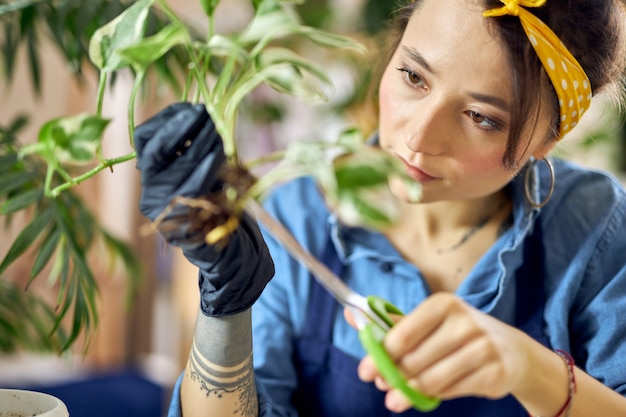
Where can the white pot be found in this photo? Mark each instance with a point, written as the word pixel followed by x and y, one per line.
pixel 23 403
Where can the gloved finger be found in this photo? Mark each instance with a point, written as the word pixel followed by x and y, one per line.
pixel 205 178
pixel 145 131
pixel 180 180
pixel 184 139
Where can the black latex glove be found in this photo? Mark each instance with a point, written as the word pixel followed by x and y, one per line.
pixel 179 153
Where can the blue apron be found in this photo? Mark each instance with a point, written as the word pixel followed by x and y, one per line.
pixel 328 385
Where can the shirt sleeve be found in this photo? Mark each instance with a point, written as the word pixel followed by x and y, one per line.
pixel 586 275
pixel 598 325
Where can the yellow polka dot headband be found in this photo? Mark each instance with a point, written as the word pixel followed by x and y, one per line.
pixel 569 79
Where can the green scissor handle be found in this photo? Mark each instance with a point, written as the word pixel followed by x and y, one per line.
pixel 372 337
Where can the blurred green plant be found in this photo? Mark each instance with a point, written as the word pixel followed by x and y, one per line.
pixel 60 234
pixel 219 70
pixel 68 25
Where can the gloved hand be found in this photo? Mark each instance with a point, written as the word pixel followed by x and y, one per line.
pixel 179 153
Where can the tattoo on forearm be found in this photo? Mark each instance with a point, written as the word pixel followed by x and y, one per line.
pixel 216 380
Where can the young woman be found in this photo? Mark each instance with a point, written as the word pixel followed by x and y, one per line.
pixel 512 268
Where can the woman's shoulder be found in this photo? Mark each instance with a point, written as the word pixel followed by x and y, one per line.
pixel 586 192
pixel 586 217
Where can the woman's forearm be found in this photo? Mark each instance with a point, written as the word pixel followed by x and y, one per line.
pixel 219 378
pixel 548 392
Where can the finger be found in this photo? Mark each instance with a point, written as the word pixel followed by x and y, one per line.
pixel 469 358
pixel 166 139
pixel 381 384
pixel 367 369
pixel 405 335
pixel 396 401
pixel 347 314
pixel 179 143
pixel 199 176
pixel 453 334
pixel 417 326
pixel 146 131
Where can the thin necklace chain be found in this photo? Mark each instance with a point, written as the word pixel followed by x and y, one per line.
pixel 471 232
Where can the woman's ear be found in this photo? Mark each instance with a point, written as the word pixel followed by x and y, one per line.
pixel 545 149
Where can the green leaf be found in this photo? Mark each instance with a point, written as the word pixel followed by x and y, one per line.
pixel 17 124
pixel 125 30
pixel 265 6
pixel 46 250
pixel 351 139
pixel 373 207
pixel 330 40
pixel 133 268
pixel 26 321
pixel 277 55
pixel 143 53
pixel 7 162
pixel 267 25
pixel 73 139
pixel 209 6
pixel 356 176
pixel 17 5
pixel 14 180
pixel 220 45
pixel 26 238
pixel 287 79
pixel 60 272
pixel 124 252
pixel 282 77
pixel 21 201
pixel 359 193
pixel 33 59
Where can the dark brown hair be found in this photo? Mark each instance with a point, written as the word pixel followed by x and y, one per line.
pixel 594 32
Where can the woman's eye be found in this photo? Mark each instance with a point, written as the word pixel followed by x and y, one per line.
pixel 483 121
pixel 412 78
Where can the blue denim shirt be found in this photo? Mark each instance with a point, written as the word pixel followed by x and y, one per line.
pixel 584 229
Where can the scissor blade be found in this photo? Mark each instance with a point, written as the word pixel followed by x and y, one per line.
pixel 331 282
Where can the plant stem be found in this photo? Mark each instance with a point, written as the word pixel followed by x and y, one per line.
pixel 48 181
pixel 77 180
pixel 188 80
pixel 265 159
pixel 224 127
pixel 102 82
pixel 211 29
pixel 131 105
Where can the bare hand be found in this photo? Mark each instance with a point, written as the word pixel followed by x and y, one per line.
pixel 448 349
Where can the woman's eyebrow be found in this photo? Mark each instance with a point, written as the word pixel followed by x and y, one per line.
pixel 493 100
pixel 418 58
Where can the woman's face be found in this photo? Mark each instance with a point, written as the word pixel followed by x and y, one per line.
pixel 444 101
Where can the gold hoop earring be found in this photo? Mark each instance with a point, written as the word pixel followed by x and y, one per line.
pixel 530 175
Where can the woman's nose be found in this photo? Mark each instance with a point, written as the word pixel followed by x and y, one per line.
pixel 428 127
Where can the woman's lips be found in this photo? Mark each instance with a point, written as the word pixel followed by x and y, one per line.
pixel 416 173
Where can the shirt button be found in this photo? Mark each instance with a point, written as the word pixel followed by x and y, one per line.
pixel 386 267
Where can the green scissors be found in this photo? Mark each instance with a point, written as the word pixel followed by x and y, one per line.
pixel 372 314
